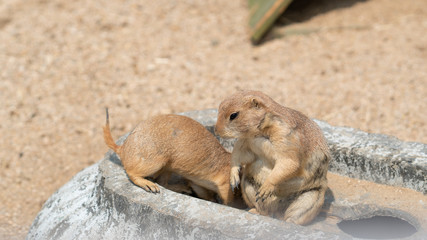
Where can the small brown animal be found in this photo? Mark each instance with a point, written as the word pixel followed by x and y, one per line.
pixel 168 144
pixel 284 155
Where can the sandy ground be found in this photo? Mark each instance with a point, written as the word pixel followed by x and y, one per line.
pixel 351 63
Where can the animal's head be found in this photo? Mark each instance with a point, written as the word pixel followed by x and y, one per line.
pixel 241 114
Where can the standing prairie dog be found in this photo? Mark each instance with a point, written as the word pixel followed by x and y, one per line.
pixel 177 144
pixel 283 154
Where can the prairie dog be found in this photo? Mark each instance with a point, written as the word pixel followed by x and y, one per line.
pixel 170 143
pixel 283 154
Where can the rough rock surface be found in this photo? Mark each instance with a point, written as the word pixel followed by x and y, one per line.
pixel 377 157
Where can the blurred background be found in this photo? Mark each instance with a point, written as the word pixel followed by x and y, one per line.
pixel 356 63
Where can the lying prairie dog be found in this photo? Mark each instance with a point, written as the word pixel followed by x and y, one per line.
pixel 170 143
pixel 283 154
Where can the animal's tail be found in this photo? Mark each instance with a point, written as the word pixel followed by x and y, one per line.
pixel 107 135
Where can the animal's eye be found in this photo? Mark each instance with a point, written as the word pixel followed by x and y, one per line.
pixel 234 115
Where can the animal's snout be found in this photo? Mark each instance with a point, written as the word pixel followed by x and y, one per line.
pixel 221 131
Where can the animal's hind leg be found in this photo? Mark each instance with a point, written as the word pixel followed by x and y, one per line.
pixel 144 168
pixel 202 192
pixel 225 193
pixel 162 178
pixel 248 193
pixel 305 207
pixel 173 182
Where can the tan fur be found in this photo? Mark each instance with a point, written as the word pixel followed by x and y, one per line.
pixel 175 144
pixel 283 154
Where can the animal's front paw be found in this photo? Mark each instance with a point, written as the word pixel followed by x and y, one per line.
pixel 151 187
pixel 234 178
pixel 265 191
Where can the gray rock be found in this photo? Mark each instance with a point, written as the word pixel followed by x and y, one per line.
pixel 377 157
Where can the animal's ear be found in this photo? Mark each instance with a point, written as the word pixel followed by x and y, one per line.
pixel 256 103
